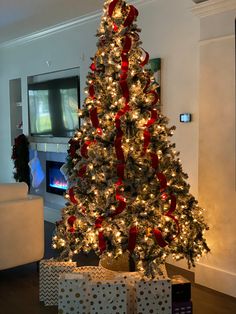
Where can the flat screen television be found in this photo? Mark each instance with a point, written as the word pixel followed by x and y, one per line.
pixel 53 107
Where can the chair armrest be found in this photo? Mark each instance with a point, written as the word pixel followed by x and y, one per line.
pixel 13 191
pixel 21 231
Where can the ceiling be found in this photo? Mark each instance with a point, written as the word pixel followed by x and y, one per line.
pixel 21 17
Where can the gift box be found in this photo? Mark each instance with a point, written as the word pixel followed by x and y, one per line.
pixel 182 307
pixel 153 296
pixel 96 273
pixel 129 279
pixel 181 289
pixel 108 297
pixel 73 294
pixel 90 289
pixel 49 272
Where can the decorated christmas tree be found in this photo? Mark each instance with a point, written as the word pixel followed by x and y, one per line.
pixel 128 192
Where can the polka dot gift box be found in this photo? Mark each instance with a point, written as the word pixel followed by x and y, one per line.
pixel 75 289
pixel 73 294
pixel 108 297
pixel 130 279
pixel 153 296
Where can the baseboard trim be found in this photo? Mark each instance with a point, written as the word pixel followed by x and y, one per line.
pixel 209 276
pixel 216 279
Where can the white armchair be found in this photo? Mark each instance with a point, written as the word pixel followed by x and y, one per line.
pixel 21 226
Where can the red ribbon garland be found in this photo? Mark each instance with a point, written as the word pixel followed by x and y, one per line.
pixel 154 114
pixel 159 238
pixel 156 97
pixel 163 182
pixel 74 145
pixel 133 232
pixel 146 133
pixel 98 222
pixel 122 203
pixel 93 112
pixel 71 220
pixel 112 6
pixel 94 118
pixel 101 241
pixel 146 59
pixel 171 210
pixel 127 44
pixel 72 196
pixel 154 160
pixel 82 171
pixel 120 168
pixel 133 13
pixel 125 90
pixel 84 149
pixel 118 145
pixel 119 133
pixel 163 185
pixel 91 91
pixel 147 85
pixel 118 141
pixel 147 139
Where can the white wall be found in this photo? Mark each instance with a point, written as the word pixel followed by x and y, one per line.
pixel 217 149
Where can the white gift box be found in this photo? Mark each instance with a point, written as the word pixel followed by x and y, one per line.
pixel 129 279
pixel 49 272
pixel 108 297
pixel 96 273
pixel 153 296
pixel 73 294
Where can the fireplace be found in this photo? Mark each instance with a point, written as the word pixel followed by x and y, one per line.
pixel 55 181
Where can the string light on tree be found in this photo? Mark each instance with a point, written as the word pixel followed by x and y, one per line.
pixel 127 190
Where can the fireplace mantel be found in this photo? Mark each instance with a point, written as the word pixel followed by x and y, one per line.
pixel 49 147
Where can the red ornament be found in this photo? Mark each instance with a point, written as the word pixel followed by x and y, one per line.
pixel 71 230
pixel 93 67
pixel 115 27
pixel 164 196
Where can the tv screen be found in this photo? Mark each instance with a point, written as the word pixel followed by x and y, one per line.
pixel 53 107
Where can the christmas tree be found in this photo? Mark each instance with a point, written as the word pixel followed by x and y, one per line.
pixel 128 192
